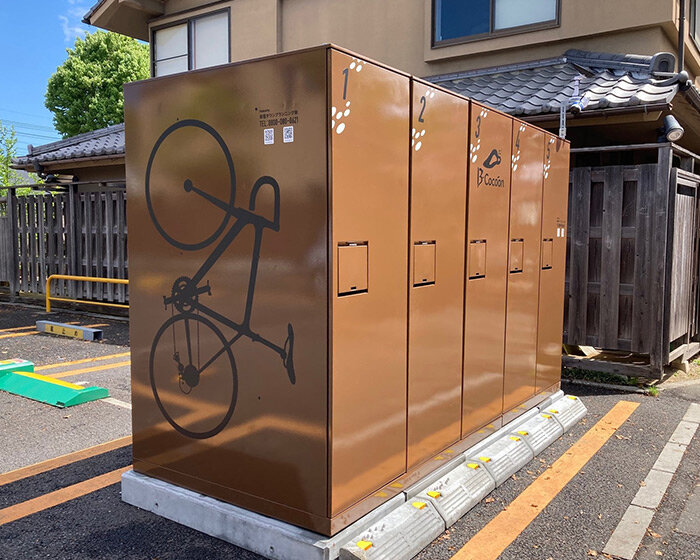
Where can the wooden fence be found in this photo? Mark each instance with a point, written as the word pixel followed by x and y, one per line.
pixel 65 232
pixel 632 260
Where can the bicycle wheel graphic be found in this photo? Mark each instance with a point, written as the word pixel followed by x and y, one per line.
pixel 193 375
pixel 177 184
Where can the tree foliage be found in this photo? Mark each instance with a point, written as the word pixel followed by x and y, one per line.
pixel 8 143
pixel 85 92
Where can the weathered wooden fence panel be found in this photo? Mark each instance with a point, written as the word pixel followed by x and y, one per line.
pixel 633 264
pixel 608 287
pixel 76 233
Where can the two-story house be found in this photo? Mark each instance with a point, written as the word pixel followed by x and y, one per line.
pixel 620 69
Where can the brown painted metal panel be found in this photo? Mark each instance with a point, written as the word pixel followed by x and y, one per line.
pixel 438 211
pixel 523 281
pixel 551 312
pixel 369 202
pixel 217 405
pixel 485 305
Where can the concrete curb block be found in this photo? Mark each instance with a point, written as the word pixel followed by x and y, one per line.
pixel 567 410
pixel 458 492
pixel 400 535
pixel 540 432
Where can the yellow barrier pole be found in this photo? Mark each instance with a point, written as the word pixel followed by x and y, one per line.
pixel 82 279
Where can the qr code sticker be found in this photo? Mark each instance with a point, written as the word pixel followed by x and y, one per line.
pixel 288 134
pixel 269 136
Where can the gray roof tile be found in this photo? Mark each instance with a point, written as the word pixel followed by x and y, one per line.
pixel 103 142
pixel 608 80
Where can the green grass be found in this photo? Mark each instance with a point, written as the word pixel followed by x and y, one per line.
pixel 608 378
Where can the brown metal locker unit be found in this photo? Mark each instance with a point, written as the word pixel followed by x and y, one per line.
pixel 369 206
pixel 553 262
pixel 487 259
pixel 439 133
pixel 297 348
pixel 523 265
pixel 269 295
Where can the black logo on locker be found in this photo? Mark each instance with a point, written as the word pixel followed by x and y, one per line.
pixel 190 356
pixel 484 176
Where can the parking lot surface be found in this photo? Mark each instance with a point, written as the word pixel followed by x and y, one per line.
pixel 70 506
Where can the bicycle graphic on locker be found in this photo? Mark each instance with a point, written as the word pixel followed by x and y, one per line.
pixel 185 297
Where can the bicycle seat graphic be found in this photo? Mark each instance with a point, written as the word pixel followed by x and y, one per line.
pixel 190 357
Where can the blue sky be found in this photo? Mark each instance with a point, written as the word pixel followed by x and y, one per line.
pixel 34 35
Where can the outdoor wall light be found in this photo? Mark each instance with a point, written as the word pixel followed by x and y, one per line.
pixel 672 130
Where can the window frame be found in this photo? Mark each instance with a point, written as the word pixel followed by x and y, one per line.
pixel 693 21
pixel 491 34
pixel 189 22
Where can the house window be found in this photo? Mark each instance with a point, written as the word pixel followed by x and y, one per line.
pixel 457 21
pixel 196 43
pixel 694 23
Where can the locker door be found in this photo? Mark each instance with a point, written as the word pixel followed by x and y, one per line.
pixel 487 266
pixel 436 289
pixel 369 207
pixel 553 262
pixel 524 265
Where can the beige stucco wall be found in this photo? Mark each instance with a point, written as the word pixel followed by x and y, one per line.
pixel 254 23
pixel 398 32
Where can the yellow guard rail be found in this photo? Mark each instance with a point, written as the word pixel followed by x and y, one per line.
pixel 49 298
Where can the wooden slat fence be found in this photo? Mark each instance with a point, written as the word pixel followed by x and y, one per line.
pixel 76 233
pixel 632 261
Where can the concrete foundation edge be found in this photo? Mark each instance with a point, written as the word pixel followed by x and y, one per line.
pixel 269 537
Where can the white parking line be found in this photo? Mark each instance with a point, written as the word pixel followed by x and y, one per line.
pixel 116 402
pixel 629 533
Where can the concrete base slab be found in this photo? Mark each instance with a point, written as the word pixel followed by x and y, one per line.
pixel 568 410
pixel 504 457
pixel 458 492
pixel 397 530
pixel 399 536
pixel 268 537
pixel 539 432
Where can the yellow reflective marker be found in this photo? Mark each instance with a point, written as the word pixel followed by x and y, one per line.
pixel 523 432
pixel 434 494
pixel 548 416
pixel 485 459
pixel 572 397
pixel 474 465
pixel 553 411
pixel 364 545
pixel 515 438
pixel 419 505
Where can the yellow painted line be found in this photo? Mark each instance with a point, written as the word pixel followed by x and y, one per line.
pixel 15 335
pixel 57 497
pixel 48 379
pixel 89 369
pixel 83 361
pixel 502 530
pixel 18 329
pixel 50 464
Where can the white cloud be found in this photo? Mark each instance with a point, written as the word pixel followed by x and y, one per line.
pixel 71 20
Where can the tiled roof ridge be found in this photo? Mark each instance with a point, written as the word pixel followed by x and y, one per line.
pixel 73 140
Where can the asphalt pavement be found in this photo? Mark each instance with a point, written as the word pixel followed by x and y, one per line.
pixel 576 524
